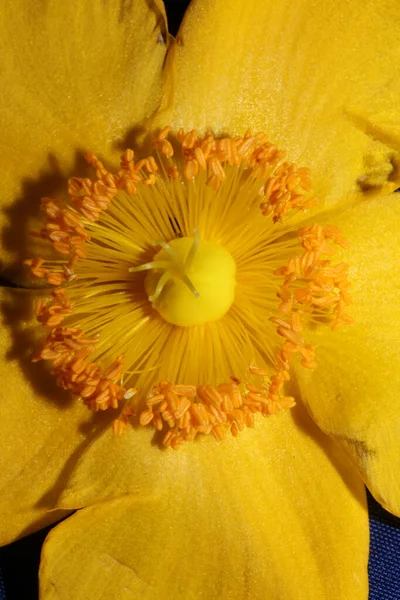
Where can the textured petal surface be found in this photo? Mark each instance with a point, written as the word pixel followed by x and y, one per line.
pixel 41 429
pixel 354 392
pixel 276 513
pixel 77 76
pixel 318 77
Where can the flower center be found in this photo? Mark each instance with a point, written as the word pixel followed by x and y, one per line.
pixel 190 281
pixel 235 285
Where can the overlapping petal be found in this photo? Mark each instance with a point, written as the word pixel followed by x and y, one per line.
pixel 354 393
pixel 76 77
pixel 281 506
pixel 275 513
pixel 318 77
pixel 41 428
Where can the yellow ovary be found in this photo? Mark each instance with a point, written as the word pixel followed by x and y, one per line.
pixel 191 282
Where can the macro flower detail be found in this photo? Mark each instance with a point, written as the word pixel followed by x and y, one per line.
pixel 197 335
pixel 195 285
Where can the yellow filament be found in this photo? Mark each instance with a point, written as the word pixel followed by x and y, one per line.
pixel 203 341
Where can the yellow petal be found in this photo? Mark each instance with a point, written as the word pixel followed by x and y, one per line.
pixel 42 431
pixel 276 513
pixel 77 76
pixel 308 73
pixel 353 394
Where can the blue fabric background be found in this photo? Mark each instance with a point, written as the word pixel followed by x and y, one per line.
pixel 384 560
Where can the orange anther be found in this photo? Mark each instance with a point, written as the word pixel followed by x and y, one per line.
pixel 94 225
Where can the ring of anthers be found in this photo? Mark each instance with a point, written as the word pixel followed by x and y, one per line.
pixel 307 284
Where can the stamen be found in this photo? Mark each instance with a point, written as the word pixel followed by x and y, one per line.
pixel 232 287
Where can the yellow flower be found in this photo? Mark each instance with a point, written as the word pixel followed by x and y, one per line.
pixel 279 510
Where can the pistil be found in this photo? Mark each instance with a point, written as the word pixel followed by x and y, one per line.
pixel 190 281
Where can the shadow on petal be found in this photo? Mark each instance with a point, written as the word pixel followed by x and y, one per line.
pixel 328 446
pixel 17 311
pixel 23 216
